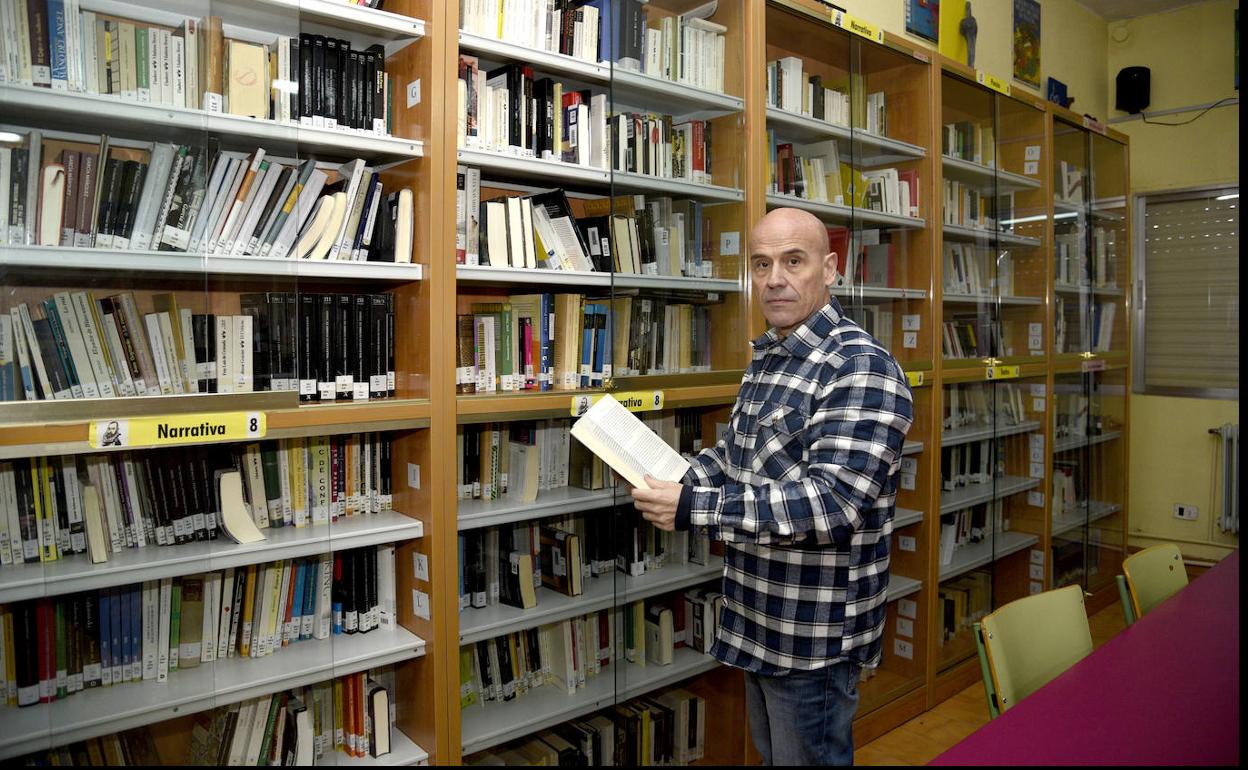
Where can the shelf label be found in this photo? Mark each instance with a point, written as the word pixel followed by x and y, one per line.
pixel 1094 365
pixel 632 400
pixel 905 627
pixel 907 543
pixel 914 378
pixel 993 82
pixel 1001 372
pixel 1037 556
pixel 921 56
pixel 907 608
pixel 903 649
pixel 1035 587
pixel 176 429
pixel 857 26
pixel 1094 125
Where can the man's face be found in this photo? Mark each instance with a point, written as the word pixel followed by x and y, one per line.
pixel 789 277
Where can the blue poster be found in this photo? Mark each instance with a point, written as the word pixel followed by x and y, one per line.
pixel 923 19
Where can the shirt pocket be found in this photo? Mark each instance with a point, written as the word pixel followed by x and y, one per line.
pixel 780 449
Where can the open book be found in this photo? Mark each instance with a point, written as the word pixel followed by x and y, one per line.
pixel 625 443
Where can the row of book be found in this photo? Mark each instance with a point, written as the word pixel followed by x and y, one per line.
pixel 972 270
pixel 170 497
pixel 146 632
pixel 629 234
pixel 509 564
pixel 984 405
pixel 684 48
pixel 569 341
pixel 309 79
pixel 351 715
pixel 972 463
pixel 1068 491
pixel 56 191
pixel 508 109
pixel 962 601
pixel 967 526
pixel 972 335
pixel 1093 325
pixel 816 172
pixel 1076 415
pixel 1076 267
pixel 971 141
pixel 792 89
pixel 967 205
pixel 326 347
pixel 569 653
pixel 668 728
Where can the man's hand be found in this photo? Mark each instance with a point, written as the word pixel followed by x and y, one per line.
pixel 658 504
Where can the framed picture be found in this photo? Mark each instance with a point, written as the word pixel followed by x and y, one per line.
pixel 1027 42
pixel 923 19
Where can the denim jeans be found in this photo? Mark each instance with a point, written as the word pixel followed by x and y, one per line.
pixel 804 717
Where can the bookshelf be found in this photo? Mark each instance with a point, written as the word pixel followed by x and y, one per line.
pixel 1050 265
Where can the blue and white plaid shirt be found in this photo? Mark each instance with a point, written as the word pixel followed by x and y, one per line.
pixel 802 493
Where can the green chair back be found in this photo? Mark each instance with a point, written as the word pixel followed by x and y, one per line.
pixel 1154 575
pixel 1029 641
pixel 1124 596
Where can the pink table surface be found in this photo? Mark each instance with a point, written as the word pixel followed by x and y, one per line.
pixel 1163 691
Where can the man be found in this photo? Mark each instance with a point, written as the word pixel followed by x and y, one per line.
pixel 801 492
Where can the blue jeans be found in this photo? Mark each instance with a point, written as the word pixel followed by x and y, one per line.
pixel 804 717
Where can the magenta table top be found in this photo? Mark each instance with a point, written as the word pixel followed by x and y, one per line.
pixel 1164 691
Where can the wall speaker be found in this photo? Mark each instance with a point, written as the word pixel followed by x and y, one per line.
pixel 1132 89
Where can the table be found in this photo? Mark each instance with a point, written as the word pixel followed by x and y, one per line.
pixel 1165 691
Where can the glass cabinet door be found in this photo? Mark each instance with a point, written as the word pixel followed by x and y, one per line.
pixel 1074 303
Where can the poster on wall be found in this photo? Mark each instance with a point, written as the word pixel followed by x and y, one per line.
pixel 1027 42
pixel 923 19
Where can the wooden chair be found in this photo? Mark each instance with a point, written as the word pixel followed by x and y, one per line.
pixel 1150 577
pixel 1027 642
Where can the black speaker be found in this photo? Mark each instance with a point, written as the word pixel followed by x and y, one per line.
pixel 1132 89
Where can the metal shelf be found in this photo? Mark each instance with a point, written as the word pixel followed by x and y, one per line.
pixel 1080 517
pixel 180 263
pixel 973 494
pixel 552 63
pixel 833 212
pixel 900 587
pixel 979 235
pixel 95 112
pixel 883 293
pixel 599 593
pixel 991 299
pixel 403 752
pixel 998 546
pixel 135 565
pixel 904 517
pixel 522 276
pixel 622 181
pixel 474 514
pixel 911 448
pixel 483 726
pixel 388 26
pixel 808 129
pixel 967 435
pixel 105 710
pixel 1070 288
pixel 986 176
pixel 1078 442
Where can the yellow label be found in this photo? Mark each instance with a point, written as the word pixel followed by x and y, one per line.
pixel 177 429
pixel 1002 372
pixel 914 378
pixel 857 26
pixel 993 82
pixel 632 400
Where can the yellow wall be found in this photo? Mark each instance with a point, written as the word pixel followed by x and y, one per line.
pixel 1072 43
pixel 1191 56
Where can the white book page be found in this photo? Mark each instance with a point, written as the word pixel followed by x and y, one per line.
pixel 625 443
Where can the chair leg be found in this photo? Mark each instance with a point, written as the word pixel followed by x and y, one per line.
pixel 990 690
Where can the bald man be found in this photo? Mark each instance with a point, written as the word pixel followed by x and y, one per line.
pixel 801 491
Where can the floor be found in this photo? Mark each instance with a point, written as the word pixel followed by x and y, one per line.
pixel 928 735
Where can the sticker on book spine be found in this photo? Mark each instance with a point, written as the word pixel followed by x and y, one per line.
pixel 359 391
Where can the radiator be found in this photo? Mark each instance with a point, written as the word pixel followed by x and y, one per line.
pixel 1228 520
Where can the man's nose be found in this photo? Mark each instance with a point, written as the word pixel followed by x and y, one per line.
pixel 775 276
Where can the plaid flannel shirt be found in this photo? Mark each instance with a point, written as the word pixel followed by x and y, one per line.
pixel 802 493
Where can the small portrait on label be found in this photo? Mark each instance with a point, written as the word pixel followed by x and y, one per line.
pixel 111 434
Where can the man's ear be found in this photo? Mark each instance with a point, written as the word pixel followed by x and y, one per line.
pixel 829 269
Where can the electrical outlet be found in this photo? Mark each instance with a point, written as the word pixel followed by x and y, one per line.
pixel 1186 512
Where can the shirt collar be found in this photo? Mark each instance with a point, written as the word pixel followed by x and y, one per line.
pixel 806 337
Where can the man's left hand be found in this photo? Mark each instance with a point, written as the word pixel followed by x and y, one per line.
pixel 658 503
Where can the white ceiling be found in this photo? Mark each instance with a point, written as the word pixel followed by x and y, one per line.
pixel 1114 10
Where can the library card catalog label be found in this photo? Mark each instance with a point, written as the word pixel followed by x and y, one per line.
pixel 993 82
pixel 909 339
pixel 903 649
pixel 632 400
pixel 729 244
pixel 911 322
pixel 857 26
pixel 1035 499
pixel 420 604
pixel 1094 365
pixel 177 429
pixel 915 379
pixel 1001 372
pixel 1031 152
pixel 1093 125
pixel 1037 556
pixel 420 566
pixel 907 543
pixel 1035 587
pixel 907 608
pixel 905 627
